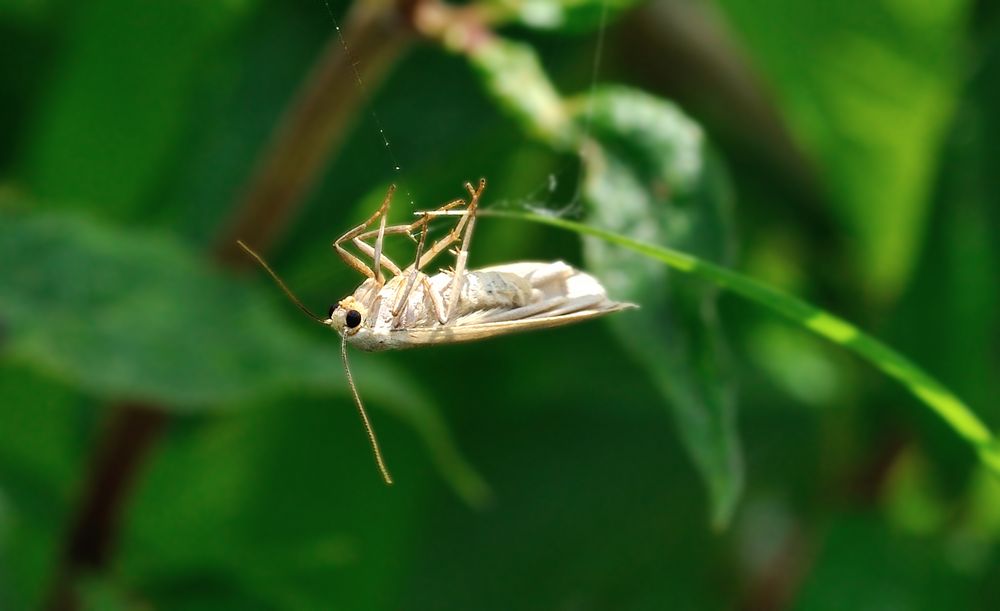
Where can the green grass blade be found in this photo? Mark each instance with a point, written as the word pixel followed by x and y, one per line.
pixel 921 384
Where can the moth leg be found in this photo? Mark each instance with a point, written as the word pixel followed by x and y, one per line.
pixel 425 218
pixel 424 258
pixel 414 272
pixel 443 243
pixel 463 253
pixel 351 259
pixel 407 230
pixel 436 301
pixel 369 250
pixel 456 232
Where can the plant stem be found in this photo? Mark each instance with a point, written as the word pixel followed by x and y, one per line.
pixel 309 133
pixel 314 126
pixel 129 436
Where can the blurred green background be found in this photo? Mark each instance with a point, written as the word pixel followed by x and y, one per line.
pixel 175 435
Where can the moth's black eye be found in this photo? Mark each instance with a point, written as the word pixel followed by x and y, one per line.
pixel 353 319
pixel 330 313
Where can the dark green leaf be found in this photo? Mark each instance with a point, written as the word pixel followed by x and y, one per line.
pixel 648 176
pixel 110 118
pixel 42 445
pixel 138 317
pixel 515 78
pixel 959 417
pixel 652 176
pixel 103 595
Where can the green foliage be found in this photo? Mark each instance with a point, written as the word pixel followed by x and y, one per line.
pixel 648 174
pixel 860 551
pixel 869 88
pixel 63 302
pixel 133 130
pixel 962 420
pixel 512 74
pixel 652 177
pixel 138 317
pixel 844 153
pixel 560 15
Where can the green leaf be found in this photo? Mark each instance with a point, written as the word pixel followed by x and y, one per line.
pixel 288 511
pixel 512 74
pixel 566 15
pixel 958 269
pixel 133 316
pixel 647 175
pixel 98 594
pixel 956 414
pixel 651 175
pixel 41 450
pixel 869 89
pixel 110 119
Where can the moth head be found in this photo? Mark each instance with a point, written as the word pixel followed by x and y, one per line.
pixel 347 316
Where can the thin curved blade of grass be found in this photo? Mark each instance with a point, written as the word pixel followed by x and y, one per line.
pixel 921 384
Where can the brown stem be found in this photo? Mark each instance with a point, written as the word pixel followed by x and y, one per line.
pixel 775 585
pixel 308 134
pixel 314 127
pixel 130 433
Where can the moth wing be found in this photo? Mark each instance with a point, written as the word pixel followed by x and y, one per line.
pixel 552 278
pixel 455 333
pixel 562 295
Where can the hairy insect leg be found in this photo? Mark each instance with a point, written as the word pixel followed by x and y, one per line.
pixel 456 233
pixel 425 218
pixel 407 230
pixel 419 260
pixel 462 230
pixel 377 255
pixel 436 302
pixel 413 272
pixel 352 260
pixel 370 250
pixel 463 254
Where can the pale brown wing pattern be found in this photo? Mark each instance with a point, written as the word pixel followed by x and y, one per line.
pixel 562 295
pixel 446 334
pixel 558 288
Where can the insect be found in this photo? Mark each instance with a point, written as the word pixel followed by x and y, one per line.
pixel 411 308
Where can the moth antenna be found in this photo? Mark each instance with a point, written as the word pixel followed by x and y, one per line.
pixel 281 284
pixel 364 417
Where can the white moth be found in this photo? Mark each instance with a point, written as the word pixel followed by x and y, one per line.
pixel 411 308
